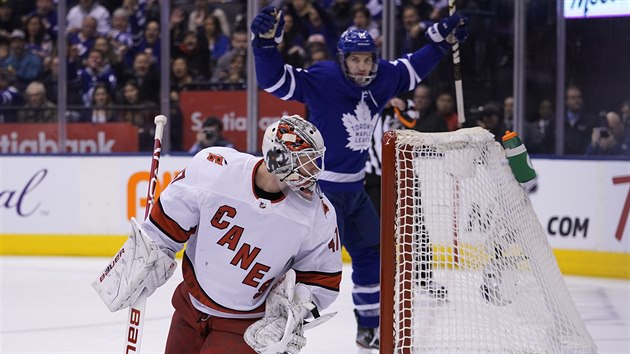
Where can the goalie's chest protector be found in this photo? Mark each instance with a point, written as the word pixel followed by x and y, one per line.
pixel 244 242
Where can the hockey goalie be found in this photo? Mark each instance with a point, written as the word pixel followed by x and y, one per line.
pixel 262 251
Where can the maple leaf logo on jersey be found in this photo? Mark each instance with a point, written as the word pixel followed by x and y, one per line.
pixel 359 127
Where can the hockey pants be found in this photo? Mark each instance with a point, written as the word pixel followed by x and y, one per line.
pixel 195 332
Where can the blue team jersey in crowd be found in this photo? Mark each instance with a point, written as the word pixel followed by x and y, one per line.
pixel 344 112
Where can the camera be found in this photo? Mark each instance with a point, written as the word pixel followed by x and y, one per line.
pixel 604 132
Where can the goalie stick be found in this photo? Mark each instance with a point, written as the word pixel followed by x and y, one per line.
pixel 135 319
pixel 457 67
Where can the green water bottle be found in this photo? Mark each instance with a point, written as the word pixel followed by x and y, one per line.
pixel 518 158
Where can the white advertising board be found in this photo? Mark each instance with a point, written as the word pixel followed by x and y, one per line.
pixel 582 205
pixel 76 195
pixel 596 8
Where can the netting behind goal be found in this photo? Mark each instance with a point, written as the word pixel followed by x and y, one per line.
pixel 453 215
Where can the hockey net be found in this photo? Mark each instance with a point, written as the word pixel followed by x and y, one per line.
pixel 453 215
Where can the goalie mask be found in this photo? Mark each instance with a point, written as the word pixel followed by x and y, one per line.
pixel 357 41
pixel 293 149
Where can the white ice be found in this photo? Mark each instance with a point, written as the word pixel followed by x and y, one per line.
pixel 48 306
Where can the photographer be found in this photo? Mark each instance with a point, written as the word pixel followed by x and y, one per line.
pixel 610 140
pixel 209 135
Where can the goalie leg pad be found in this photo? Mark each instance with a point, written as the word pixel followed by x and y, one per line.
pixel 140 264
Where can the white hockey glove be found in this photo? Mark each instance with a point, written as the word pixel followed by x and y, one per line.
pixel 140 264
pixel 282 328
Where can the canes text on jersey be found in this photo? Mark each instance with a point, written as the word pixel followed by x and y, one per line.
pixel 245 255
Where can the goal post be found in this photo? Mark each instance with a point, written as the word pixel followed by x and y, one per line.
pixel 452 213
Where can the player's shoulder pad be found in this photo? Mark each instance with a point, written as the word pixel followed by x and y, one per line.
pixel 209 161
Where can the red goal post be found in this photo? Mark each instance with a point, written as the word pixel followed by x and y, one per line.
pixel 451 210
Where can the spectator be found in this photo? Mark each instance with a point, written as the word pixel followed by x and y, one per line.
pixel 22 64
pixel 202 11
pixel 218 42
pixel 8 20
pixel 95 71
pixel 120 37
pixel 9 96
pixel 423 8
pixel 102 44
pixel 489 118
pixel 236 73
pixel 38 41
pixel 91 8
pixel 83 40
pixel 540 133
pixel 319 23
pixel 421 115
pixel 291 45
pixel 292 32
pixel 361 19
pixel 211 134
pixel 239 43
pixel 145 76
pixel 5 52
pixel 139 113
pixel 177 25
pixel 194 50
pixel 180 76
pixel 613 139
pixel 150 43
pixel 578 124
pixel 411 34
pixel 46 10
pixel 317 52
pixel 445 108
pixel 38 109
pixel 101 110
pixel 50 80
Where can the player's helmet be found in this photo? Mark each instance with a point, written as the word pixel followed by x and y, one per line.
pixel 294 149
pixel 357 40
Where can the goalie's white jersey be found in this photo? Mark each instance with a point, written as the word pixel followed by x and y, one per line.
pixel 237 243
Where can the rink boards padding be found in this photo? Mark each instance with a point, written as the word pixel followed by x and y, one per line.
pixel 80 205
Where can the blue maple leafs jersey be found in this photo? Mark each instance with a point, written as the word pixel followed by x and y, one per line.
pixel 344 112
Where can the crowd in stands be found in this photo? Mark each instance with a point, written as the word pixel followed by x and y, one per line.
pixel 114 56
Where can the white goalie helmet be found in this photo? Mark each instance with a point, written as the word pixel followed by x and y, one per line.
pixel 293 149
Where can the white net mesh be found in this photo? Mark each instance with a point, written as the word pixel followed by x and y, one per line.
pixel 463 222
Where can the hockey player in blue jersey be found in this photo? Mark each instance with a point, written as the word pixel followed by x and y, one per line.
pixel 344 101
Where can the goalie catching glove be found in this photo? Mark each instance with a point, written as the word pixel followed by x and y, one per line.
pixel 140 264
pixel 282 328
pixel 267 28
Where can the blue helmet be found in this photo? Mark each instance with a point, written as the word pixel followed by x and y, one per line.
pixel 353 41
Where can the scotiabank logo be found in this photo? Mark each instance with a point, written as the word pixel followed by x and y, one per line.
pixel 12 143
pixel 80 138
pixel 137 187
